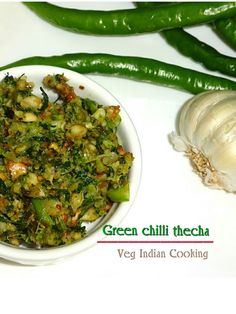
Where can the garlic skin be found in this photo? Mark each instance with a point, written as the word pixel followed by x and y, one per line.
pixel 207 133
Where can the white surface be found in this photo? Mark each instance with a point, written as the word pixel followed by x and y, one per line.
pixel 98 280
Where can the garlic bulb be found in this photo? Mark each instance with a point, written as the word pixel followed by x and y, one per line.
pixel 207 133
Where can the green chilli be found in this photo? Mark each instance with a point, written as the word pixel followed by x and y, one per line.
pixel 132 21
pixel 135 68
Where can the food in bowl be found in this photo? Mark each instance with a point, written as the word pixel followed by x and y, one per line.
pixel 61 162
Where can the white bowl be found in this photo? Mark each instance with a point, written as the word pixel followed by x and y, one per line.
pixel 129 139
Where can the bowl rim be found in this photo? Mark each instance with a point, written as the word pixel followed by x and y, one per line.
pixel 55 254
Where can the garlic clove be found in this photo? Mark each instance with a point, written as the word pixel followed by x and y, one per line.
pixel 224 160
pixel 216 114
pixel 196 109
pixel 186 131
pixel 224 134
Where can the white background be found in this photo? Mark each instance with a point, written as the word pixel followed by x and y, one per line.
pixel 170 193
